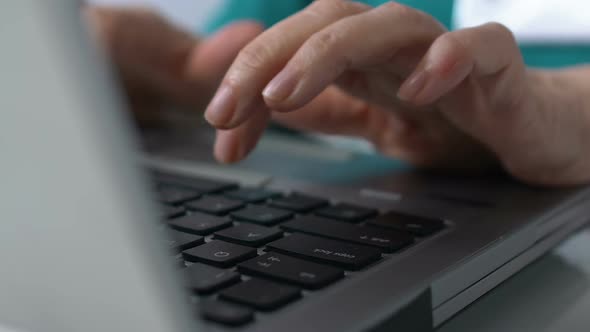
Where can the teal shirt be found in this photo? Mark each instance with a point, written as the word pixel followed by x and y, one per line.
pixel 270 12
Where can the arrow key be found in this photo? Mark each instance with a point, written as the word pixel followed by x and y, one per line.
pixel 249 235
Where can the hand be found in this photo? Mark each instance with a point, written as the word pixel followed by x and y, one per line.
pixel 160 63
pixel 395 76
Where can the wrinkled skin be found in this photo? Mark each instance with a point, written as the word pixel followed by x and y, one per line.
pixel 394 76
pixel 460 100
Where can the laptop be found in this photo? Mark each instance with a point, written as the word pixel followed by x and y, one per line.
pixel 101 232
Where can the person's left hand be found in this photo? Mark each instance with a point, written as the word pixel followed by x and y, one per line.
pixel 393 75
pixel 161 64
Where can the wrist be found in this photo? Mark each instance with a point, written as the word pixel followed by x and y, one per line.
pixel 559 101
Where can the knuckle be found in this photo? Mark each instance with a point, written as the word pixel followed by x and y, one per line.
pixel 349 6
pixel 398 8
pixel 321 7
pixel 503 33
pixel 327 44
pixel 410 16
pixel 254 56
pixel 324 41
pixel 458 45
pixel 500 29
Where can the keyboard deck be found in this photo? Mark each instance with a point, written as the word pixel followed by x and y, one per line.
pixel 248 250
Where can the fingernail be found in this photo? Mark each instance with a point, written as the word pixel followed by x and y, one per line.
pixel 222 107
pixel 282 86
pixel 412 86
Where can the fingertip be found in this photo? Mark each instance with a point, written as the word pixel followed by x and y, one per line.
pixel 280 93
pixel 222 108
pixel 413 86
pixel 234 145
pixel 246 27
pixel 444 66
pixel 224 149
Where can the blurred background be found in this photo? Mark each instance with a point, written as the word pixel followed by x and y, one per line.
pixel 191 14
pixel 532 21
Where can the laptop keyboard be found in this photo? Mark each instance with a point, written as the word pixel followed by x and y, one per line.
pixel 249 250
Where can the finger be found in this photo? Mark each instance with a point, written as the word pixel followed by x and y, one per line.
pixel 204 65
pixel 149 52
pixel 137 36
pixel 428 142
pixel 457 54
pixel 513 121
pixel 160 61
pixel 447 74
pixel 258 62
pixel 360 41
pixel 336 113
pixel 483 93
pixel 211 58
pixel 235 144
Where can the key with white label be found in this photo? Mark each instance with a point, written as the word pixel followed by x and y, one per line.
pixel 346 255
pixel 292 270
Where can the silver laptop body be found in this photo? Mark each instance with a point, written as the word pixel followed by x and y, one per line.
pixel 80 244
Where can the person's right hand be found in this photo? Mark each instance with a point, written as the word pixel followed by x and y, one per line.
pixel 459 100
pixel 160 63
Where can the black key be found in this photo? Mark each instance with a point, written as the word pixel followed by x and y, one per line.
pixel 346 255
pixel 171 212
pixel 200 224
pixel 219 253
pixel 262 215
pixel 204 279
pixel 226 313
pixel 299 203
pixel 181 241
pixel 261 294
pixel 252 195
pixel 419 226
pixel 217 205
pixel 249 235
pixel 293 270
pixel 347 212
pixel 200 184
pixel 385 239
pixel 176 195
